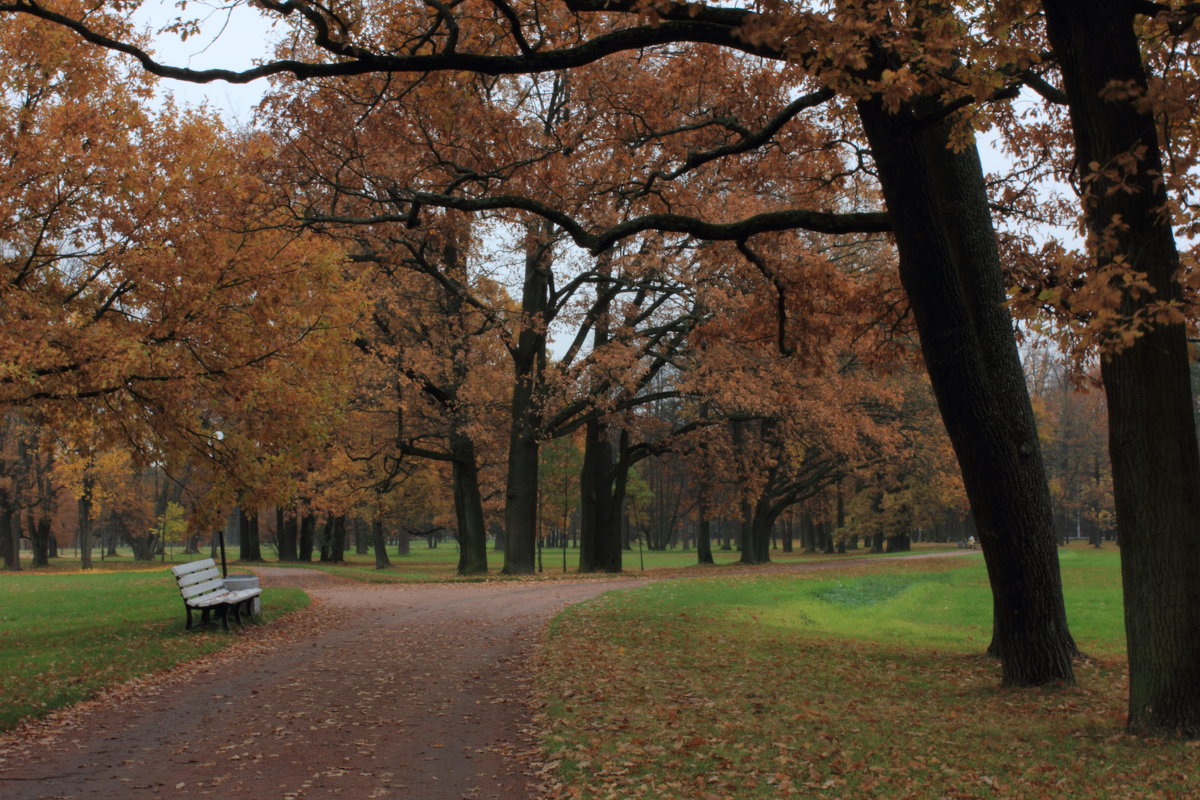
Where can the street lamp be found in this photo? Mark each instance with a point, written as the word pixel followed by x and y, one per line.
pixel 219 436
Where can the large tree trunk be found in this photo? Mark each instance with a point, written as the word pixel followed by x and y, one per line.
pixel 529 362
pixel 85 532
pixel 248 535
pixel 950 269
pixel 601 496
pixel 379 543
pixel 361 547
pixel 337 540
pixel 39 537
pixel 286 530
pixel 85 518
pixel 10 539
pixel 704 554
pixel 757 550
pixel 468 507
pixel 308 530
pixel 1152 433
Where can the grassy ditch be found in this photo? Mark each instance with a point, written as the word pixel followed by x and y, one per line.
pixel 65 637
pixel 867 683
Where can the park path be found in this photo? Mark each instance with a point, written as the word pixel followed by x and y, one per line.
pixel 392 691
pixel 388 691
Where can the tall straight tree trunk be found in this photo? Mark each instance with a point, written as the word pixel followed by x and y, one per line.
pixel 285 533
pixel 529 363
pixel 704 554
pixel 85 517
pixel 468 506
pixel 950 269
pixel 761 524
pixel 808 534
pixel 468 500
pixel 361 546
pixel 600 502
pixel 379 544
pixel 85 532
pixel 40 539
pixel 1152 433
pixel 601 496
pixel 248 535
pixel 308 531
pixel 337 542
pixel 10 539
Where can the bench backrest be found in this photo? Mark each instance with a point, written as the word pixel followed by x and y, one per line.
pixel 198 577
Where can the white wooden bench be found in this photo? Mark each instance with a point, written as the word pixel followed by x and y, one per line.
pixel 202 588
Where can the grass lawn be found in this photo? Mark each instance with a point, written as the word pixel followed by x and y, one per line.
pixel 424 563
pixel 867 684
pixel 67 636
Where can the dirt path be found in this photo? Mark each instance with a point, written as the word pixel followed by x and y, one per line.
pixel 396 691
pixel 385 691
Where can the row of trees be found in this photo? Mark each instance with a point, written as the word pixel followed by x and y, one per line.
pixel 696 495
pixel 720 167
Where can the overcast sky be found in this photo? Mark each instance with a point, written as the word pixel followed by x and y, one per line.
pixel 229 40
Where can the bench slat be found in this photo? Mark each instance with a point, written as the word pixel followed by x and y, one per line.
pixel 193 566
pixel 214 585
pixel 193 578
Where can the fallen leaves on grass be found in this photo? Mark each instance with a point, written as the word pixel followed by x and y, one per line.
pixel 641 702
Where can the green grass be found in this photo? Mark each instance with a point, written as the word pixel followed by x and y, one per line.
pixel 424 563
pixel 66 637
pixel 867 683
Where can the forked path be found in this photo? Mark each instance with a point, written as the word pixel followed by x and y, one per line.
pixel 396 691
pixel 393 691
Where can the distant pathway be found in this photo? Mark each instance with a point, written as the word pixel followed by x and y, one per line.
pixel 378 691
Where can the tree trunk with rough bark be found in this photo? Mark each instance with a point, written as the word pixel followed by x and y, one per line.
pixel 285 534
pixel 601 496
pixel 1152 433
pixel 704 554
pixel 468 506
pixel 10 539
pixel 248 536
pixel 379 544
pixel 308 534
pixel 950 269
pixel 529 362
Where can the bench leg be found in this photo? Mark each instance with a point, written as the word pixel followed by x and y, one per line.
pixel 189 616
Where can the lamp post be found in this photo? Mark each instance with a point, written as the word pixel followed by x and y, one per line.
pixel 221 530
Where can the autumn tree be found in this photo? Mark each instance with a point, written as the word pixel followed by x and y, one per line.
pixel 899 70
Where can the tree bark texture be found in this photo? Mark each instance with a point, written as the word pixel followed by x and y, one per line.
pixel 248 536
pixel 379 544
pixel 286 530
pixel 85 524
pixel 704 554
pixel 1152 440
pixel 601 496
pixel 308 531
pixel 950 269
pixel 468 506
pixel 10 539
pixel 529 361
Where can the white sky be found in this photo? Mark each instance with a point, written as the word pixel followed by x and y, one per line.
pixel 231 39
